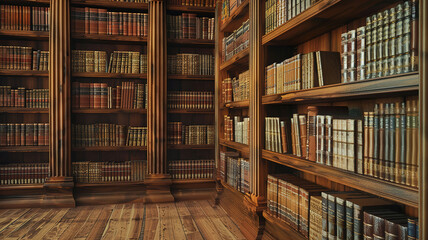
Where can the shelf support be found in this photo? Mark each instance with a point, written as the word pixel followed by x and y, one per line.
pixel 59 185
pixel 158 180
pixel 423 115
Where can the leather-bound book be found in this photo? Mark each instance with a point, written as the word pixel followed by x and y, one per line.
pixel 396 229
pixel 303 134
pixel 387 144
pixel 329 67
pixel 381 146
pixel 376 164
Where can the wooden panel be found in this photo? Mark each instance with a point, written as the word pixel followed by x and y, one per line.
pixel 35 35
pixel 108 75
pixel 238 104
pixel 280 229
pixel 110 111
pixel 110 38
pixel 193 9
pixel 112 4
pixel 232 22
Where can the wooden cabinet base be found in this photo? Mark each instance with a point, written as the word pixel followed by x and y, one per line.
pixel 278 229
pixel 59 192
pixel 193 189
pixel 158 188
pixel 250 223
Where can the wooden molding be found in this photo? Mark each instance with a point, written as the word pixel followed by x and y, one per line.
pixel 59 192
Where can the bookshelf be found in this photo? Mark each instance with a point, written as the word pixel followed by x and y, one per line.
pixel 317 28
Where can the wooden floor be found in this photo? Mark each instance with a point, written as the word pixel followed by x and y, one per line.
pixel 180 220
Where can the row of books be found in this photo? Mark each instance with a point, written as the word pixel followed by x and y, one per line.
pixel 129 95
pixel 23 173
pixel 190 100
pixel 24 134
pixel 105 134
pixel 228 8
pixel 119 62
pixel 236 89
pixel 191 169
pixel 237 129
pixel 235 171
pixel 280 11
pixel 24 98
pixel 236 42
pixel 276 135
pixel 189 26
pixel 195 3
pixel 23 58
pixel 386 45
pixel 303 71
pixel 98 172
pixel 318 213
pixel 25 18
pixel 100 21
pixel 178 133
pixel 191 64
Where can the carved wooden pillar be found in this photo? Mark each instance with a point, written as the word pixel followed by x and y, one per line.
pixel 257 183
pixel 59 184
pixel 158 179
pixel 423 116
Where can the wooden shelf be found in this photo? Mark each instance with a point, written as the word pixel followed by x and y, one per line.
pixel 193 9
pixel 386 85
pixel 395 192
pixel 112 4
pixel 24 73
pixel 184 146
pixel 226 185
pixel 323 16
pixel 23 110
pixel 192 77
pixel 25 149
pixel 234 145
pixel 109 75
pixel 239 104
pixel 185 111
pixel 110 38
pixel 34 35
pixel 107 184
pixel 193 42
pixel 186 181
pixel 242 58
pixel 109 111
pixel 13 187
pixel 109 148
pixel 231 23
pixel 283 226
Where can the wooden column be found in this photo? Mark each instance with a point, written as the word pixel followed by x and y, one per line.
pixel 158 180
pixel 59 184
pixel 257 168
pixel 423 119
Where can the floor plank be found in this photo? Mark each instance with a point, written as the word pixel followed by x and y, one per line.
pixel 62 225
pixel 206 228
pixel 113 221
pixel 100 225
pixel 189 225
pixel 151 225
pixel 28 225
pixel 49 221
pixel 18 222
pixel 77 223
pixel 85 229
pixel 136 221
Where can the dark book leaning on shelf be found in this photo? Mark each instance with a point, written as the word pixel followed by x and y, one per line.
pixel 178 133
pixel 98 172
pixel 189 26
pixel 191 169
pixel 23 173
pixel 24 98
pixel 129 95
pixel 24 134
pixel 23 58
pixel 25 18
pixel 190 100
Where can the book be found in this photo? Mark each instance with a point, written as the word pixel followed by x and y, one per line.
pixel 223 163
pixel 178 133
pixel 237 41
pixel 24 18
pixel 328 64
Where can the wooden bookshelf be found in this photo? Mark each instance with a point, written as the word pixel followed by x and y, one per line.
pixel 192 42
pixel 192 9
pixel 108 75
pixel 23 2
pixel 110 38
pixel 109 184
pixel 112 4
pixel 238 104
pixel 365 88
pixel 28 149
pixel 109 148
pixel 109 111
pixel 238 60
pixel 320 18
pixel 396 192
pixel 243 148
pixel 192 181
pixel 193 111
pixel 23 73
pixel 233 21
pixel 23 110
pixel 191 77
pixel 34 35
pixel 185 146
pixel 274 225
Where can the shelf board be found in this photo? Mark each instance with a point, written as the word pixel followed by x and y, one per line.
pixel 234 145
pixel 392 191
pixel 25 149
pixel 108 75
pixel 109 38
pixel 112 4
pixel 285 227
pixel 108 184
pixel 184 146
pixel 238 104
pixel 193 42
pixel 23 110
pixel 242 58
pixel 192 77
pixel 186 181
pixel 35 35
pixel 320 18
pixel 24 2
pixel 109 148
pixel 13 187
pixel 231 23
pixel 193 9
pixel 109 111
pixel 186 111
pixel 232 189
pixel 386 85
pixel 24 73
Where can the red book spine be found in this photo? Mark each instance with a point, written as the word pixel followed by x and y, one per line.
pixel 134 23
pixel 102 21
pixel 93 20
pixel 87 20
pixel 40 134
pixel 104 95
pixel 129 23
